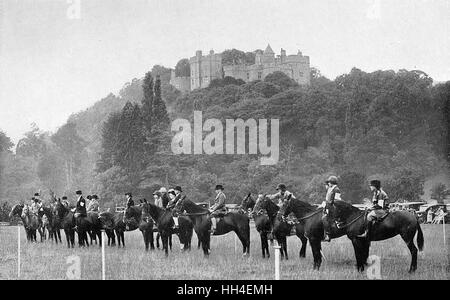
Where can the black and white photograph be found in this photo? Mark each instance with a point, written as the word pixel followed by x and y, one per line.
pixel 223 145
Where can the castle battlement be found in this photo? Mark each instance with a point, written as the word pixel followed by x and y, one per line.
pixel 205 68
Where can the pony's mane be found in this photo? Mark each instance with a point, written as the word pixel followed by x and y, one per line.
pixel 345 208
pixel 270 203
pixel 303 205
pixel 189 205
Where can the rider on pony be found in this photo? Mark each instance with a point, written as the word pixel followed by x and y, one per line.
pixel 379 206
pixel 175 195
pixel 333 193
pixel 281 195
pixel 218 209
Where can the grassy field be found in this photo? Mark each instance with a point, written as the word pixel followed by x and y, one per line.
pixel 49 261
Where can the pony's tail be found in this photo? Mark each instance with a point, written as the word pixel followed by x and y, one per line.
pixel 420 240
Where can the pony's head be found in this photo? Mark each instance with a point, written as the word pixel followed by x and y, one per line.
pixel 296 206
pixel 341 210
pixel 248 202
pixel 106 219
pixel 16 211
pixel 267 204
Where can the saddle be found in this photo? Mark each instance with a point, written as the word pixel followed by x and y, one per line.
pixel 378 214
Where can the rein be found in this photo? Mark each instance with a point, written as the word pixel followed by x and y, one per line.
pixel 310 215
pixel 353 221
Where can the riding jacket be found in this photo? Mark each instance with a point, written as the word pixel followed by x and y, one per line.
pixel 81 206
pixel 219 203
pixel 281 197
pixel 333 193
pixel 380 199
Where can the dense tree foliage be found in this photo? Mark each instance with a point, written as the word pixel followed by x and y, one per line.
pixel 389 125
pixel 236 57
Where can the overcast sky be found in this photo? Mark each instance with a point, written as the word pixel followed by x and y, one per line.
pixel 54 61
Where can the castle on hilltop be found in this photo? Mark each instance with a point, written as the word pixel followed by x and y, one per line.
pixel 203 69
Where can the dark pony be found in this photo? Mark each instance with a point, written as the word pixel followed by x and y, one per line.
pixel 403 223
pixel 16 211
pixel 280 228
pixel 134 219
pixel 113 225
pixel 165 224
pixel 31 222
pixel 262 223
pixel 65 218
pixel 310 219
pixel 53 227
pixel 232 221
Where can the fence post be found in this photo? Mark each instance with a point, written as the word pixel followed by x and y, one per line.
pixel 443 228
pixel 103 256
pixel 277 262
pixel 18 251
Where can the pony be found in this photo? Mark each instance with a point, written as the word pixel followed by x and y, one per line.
pixel 310 218
pixel 134 219
pixel 232 221
pixel 165 224
pixel 16 211
pixel 403 223
pixel 262 223
pixel 279 226
pixel 65 218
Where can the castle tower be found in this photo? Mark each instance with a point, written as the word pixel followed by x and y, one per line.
pixel 204 69
pixel 268 55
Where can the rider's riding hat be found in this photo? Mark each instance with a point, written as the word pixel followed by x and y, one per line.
pixel 64 198
pixel 178 188
pixel 36 194
pixel 281 187
pixel 376 184
pixel 332 180
pixel 128 194
pixel 78 193
pixel 219 187
pixel 94 197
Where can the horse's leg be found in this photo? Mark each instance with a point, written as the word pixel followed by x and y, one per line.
pixel 285 247
pixel 170 242
pixel 165 238
pixel 316 247
pixel 266 244
pixel 158 236
pixel 263 244
pixel 152 240
pixel 144 235
pixel 359 253
pixel 409 240
pixel 205 239
pixel 304 241
pixel 67 237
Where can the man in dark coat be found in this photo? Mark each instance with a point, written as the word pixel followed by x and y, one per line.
pixel 80 209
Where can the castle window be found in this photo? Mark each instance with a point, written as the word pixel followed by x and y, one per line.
pixel 259 75
pixel 248 76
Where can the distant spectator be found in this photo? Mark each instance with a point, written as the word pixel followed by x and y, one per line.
pixel 430 216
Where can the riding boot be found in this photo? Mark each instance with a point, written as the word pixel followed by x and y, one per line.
pixel 366 233
pixel 213 225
